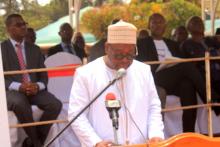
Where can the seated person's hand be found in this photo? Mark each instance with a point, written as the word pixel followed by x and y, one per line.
pixel 32 89
pixel 155 140
pixel 104 144
pixel 23 87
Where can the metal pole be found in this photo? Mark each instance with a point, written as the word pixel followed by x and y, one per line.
pixel 216 6
pixel 208 92
pixel 115 135
pixel 212 17
pixel 203 10
pixel 77 7
pixel 215 9
pixel 71 12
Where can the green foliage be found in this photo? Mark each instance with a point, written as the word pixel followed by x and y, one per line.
pixel 2 29
pixel 57 9
pixel 37 16
pixel 176 12
pixel 139 14
pixel 11 6
pixel 101 2
pixel 97 20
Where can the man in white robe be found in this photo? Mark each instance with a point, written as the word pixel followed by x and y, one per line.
pixel 140 117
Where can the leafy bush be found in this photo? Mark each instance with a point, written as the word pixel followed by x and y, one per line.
pixel 97 20
pixel 176 12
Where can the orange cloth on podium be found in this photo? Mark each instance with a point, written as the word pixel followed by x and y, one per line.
pixel 183 140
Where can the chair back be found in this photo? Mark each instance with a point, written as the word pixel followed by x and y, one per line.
pixel 60 81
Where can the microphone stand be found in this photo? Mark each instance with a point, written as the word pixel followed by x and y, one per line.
pixel 114 117
pixel 115 135
pixel 74 118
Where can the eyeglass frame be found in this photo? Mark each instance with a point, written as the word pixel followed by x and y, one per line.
pixel 127 56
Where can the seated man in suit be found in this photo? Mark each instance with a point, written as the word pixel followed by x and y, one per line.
pixel 182 79
pixel 66 34
pixel 24 90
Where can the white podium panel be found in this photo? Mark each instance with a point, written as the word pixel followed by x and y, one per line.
pixel 4 127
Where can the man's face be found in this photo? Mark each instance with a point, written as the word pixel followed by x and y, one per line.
pixel 18 28
pixel 157 26
pixel 66 33
pixel 120 55
pixel 197 28
pixel 180 35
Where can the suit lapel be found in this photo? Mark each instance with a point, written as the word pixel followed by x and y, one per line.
pixel 13 54
pixel 172 48
pixel 154 50
pixel 154 55
pixel 28 55
pixel 13 59
pixel 168 45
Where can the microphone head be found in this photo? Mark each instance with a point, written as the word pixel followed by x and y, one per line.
pixel 111 102
pixel 120 73
pixel 110 96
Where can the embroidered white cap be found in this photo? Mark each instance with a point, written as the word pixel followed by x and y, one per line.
pixel 122 32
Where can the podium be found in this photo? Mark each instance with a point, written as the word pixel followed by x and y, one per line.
pixel 183 140
pixel 135 145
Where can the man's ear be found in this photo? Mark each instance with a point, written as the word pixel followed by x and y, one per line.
pixel 8 29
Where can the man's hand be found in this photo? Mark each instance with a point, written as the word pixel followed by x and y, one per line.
pixel 32 89
pixel 155 140
pixel 104 144
pixel 23 87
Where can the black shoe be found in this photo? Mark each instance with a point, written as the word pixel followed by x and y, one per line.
pixel 27 143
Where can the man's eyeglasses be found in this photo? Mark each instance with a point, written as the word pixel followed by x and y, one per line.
pixel 127 56
pixel 20 24
pixel 121 56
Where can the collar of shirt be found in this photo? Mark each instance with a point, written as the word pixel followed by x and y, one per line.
pixel 15 42
pixel 22 48
pixel 64 46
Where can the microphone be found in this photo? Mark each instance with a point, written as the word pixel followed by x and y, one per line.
pixel 113 105
pixel 120 73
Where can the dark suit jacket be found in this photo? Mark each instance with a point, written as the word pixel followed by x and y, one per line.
pixel 34 59
pixel 147 50
pixel 97 50
pixel 193 49
pixel 58 48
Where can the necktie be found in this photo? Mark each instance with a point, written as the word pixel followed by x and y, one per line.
pixel 21 62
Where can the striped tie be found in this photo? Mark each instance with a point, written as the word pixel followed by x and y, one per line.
pixel 21 62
